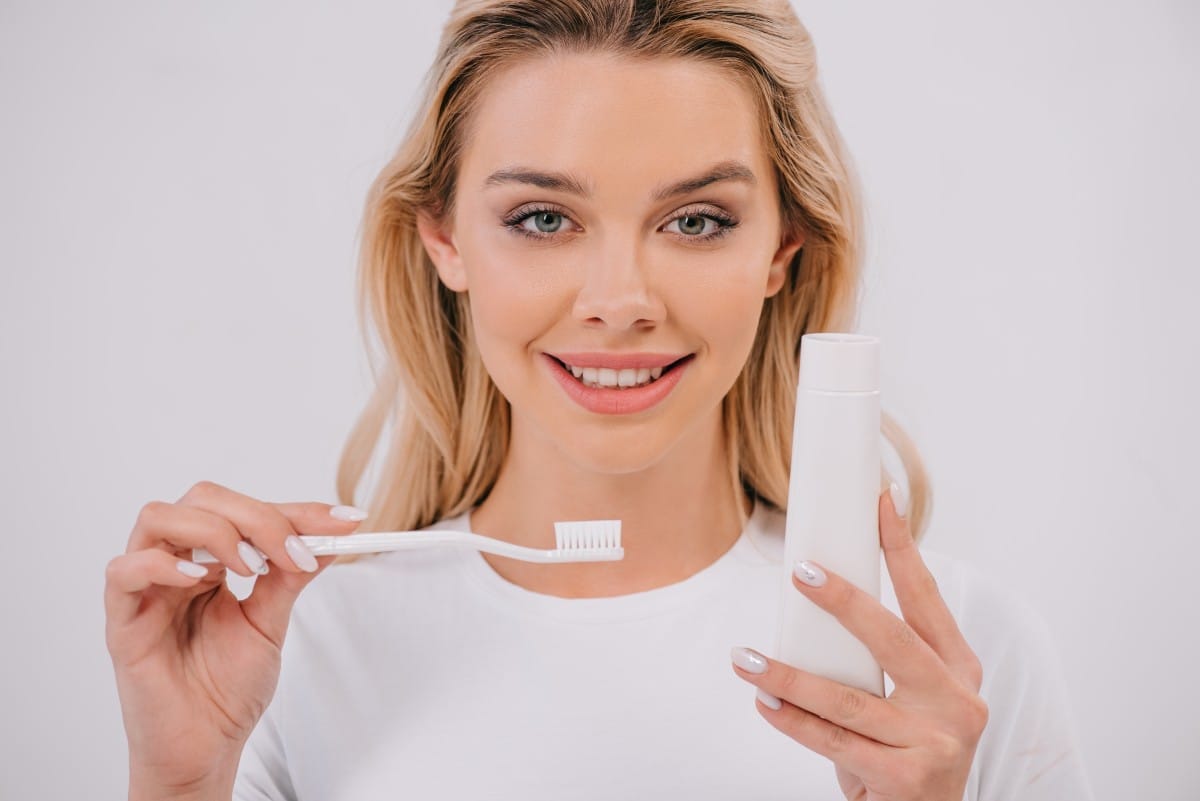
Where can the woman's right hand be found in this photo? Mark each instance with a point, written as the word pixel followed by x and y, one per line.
pixel 195 667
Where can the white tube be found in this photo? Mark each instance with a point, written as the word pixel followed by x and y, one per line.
pixel 833 496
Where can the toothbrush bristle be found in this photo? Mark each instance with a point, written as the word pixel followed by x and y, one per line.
pixel 587 535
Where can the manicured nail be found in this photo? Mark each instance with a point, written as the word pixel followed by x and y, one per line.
pixel 810 574
pixel 300 554
pixel 251 557
pixel 352 513
pixel 191 569
pixel 899 499
pixel 768 699
pixel 748 660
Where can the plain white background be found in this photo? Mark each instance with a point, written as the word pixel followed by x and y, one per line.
pixel 180 191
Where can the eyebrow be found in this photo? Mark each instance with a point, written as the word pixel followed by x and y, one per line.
pixel 566 182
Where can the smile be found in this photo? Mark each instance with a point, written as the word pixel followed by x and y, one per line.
pixel 608 377
pixel 623 388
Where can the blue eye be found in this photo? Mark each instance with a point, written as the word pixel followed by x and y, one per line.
pixel 703 224
pixel 546 222
pixel 693 225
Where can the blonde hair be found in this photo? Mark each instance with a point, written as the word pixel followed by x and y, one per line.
pixel 449 422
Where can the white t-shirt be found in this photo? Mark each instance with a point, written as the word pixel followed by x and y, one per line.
pixel 425 674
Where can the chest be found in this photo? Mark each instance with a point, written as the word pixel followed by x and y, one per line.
pixel 505 709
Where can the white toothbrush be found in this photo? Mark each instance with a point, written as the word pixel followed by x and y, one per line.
pixel 575 541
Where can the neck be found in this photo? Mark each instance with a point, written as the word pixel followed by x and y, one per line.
pixel 677 516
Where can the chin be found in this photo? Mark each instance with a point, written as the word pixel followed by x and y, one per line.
pixel 615 455
pixel 610 451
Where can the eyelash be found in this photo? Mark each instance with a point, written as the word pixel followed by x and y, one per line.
pixel 726 223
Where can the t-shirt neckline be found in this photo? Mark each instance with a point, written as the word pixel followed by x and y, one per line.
pixel 646 603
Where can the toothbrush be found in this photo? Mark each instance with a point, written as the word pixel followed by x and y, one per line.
pixel 575 541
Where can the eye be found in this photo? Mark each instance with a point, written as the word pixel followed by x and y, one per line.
pixel 546 222
pixel 538 222
pixel 701 225
pixel 694 224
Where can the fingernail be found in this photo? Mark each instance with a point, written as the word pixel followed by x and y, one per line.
pixel 266 565
pixel 300 554
pixel 810 574
pixel 250 556
pixel 191 569
pixel 352 513
pixel 899 499
pixel 768 699
pixel 748 660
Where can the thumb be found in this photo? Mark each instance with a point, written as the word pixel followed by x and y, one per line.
pixel 269 606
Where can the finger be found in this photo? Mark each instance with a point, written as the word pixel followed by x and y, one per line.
pixel 128 575
pixel 268 525
pixel 179 528
pixel 917 592
pixel 317 518
pixel 269 606
pixel 848 707
pixel 896 646
pixel 849 750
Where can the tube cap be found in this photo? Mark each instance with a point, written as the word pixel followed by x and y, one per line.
pixel 839 362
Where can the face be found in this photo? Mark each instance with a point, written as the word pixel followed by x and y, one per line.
pixel 617 228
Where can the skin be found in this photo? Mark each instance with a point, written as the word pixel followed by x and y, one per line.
pixel 196 667
pixel 620 274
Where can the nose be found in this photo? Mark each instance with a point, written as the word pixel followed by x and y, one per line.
pixel 617 292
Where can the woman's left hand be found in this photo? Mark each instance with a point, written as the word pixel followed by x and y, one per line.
pixel 918 743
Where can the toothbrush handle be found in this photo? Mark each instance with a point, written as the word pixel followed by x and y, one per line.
pixel 370 542
pixel 376 542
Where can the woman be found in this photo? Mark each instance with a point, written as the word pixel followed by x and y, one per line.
pixel 595 195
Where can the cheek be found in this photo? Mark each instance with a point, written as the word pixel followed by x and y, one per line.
pixel 723 306
pixel 512 304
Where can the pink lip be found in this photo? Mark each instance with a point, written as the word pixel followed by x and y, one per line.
pixel 618 361
pixel 616 401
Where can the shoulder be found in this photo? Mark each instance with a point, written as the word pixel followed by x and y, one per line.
pixel 1029 749
pixel 991 614
pixel 1023 679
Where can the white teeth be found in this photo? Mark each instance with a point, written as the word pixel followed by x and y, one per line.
pixel 610 378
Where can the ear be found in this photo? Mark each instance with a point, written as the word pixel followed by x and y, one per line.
pixel 781 262
pixel 439 244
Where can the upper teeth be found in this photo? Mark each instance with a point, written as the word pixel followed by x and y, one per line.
pixel 608 377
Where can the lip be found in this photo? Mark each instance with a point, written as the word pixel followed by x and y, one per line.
pixel 618 401
pixel 619 361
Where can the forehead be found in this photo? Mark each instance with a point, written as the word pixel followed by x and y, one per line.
pixel 615 119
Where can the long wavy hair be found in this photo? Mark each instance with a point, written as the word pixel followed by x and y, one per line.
pixel 436 427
